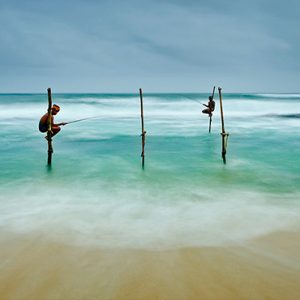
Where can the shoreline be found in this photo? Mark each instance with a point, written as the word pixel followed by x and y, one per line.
pixel 265 268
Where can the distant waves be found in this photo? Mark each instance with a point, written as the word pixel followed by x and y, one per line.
pixel 285 116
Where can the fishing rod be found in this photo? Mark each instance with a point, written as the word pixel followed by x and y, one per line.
pixel 83 119
pixel 193 100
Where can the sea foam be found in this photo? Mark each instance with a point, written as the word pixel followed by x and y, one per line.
pixel 147 219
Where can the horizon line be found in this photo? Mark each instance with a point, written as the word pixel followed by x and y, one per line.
pixel 133 93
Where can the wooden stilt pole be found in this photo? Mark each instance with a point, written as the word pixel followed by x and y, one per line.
pixel 49 131
pixel 212 95
pixel 143 135
pixel 223 133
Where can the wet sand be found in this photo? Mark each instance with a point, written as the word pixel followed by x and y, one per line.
pixel 33 268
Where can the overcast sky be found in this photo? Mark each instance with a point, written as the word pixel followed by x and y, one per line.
pixel 159 45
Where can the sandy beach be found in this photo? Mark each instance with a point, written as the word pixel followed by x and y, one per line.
pixel 34 268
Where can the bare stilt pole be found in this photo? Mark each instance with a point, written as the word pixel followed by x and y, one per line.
pixel 223 133
pixel 212 95
pixel 49 131
pixel 143 135
pixel 209 129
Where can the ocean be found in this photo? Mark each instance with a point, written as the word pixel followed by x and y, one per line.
pixel 96 193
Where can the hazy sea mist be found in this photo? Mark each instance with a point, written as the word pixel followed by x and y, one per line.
pixel 97 194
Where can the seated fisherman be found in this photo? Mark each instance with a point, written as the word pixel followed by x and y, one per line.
pixel 210 106
pixel 43 125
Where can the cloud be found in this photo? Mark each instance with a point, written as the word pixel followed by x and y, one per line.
pixel 116 45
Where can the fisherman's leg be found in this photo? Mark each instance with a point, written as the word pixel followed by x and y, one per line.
pixel 55 130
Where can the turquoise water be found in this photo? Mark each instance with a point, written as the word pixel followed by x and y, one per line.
pixel 97 194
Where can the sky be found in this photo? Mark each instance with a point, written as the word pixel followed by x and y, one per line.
pixel 158 45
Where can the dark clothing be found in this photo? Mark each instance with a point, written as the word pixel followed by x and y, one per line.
pixel 206 111
pixel 43 127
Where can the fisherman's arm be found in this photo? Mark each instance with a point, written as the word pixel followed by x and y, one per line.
pixel 60 124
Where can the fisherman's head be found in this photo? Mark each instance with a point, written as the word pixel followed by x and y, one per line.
pixel 55 109
pixel 210 98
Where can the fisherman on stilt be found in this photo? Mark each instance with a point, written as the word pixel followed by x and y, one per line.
pixel 55 128
pixel 210 106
